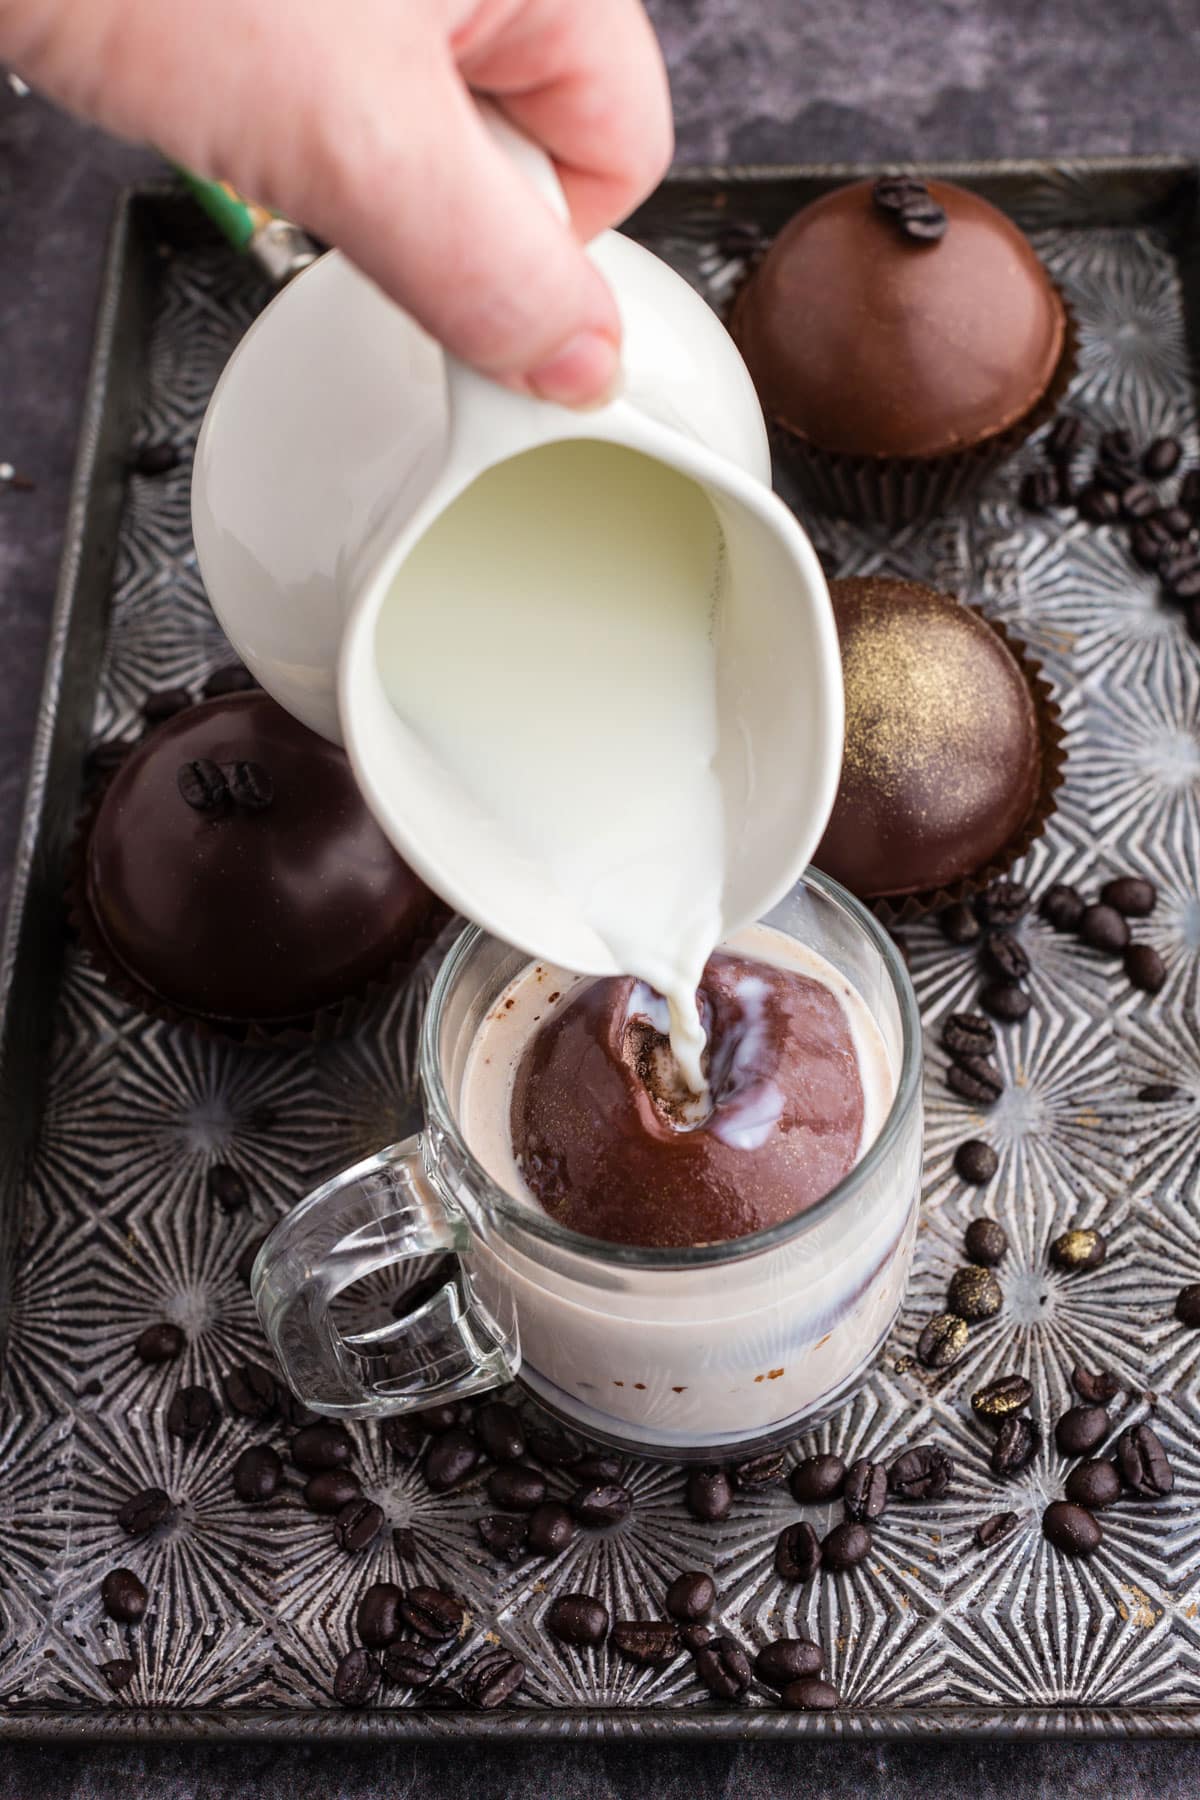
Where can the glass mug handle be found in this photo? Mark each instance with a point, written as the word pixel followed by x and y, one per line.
pixel 377 1214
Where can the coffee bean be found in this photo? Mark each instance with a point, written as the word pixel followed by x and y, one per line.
pixel 1179 572
pixel 1138 500
pixel 1071 1528
pixel 1162 457
pixel 998 1398
pixel 943 1341
pixel 191 1412
pixel 1193 620
pixel 250 785
pixel 866 1490
pixel 117 1672
pixel 1017 1443
pixel 974 1293
pixel 377 1619
pixel 506 1535
pixel 1038 490
pixel 450 1459
pixel 708 1495
pixel 786 1660
pixel 760 1471
pixel 1078 1249
pixel 601 1503
pixel 694 1637
pixel 332 1489
pixel 1098 504
pixel 1003 903
pixel 256 1474
pixel 591 1471
pixel 1080 1429
pixel 577 1619
pixel 797 1552
pixel 155 459
pixel 1189 492
pixel 326 1445
pixel 974 1078
pixel 433 1613
pixel 250 1390
pixel 231 678
pixel 145 1511
pixel 653 1643
pixel 1187 1306
pixel 1103 928
pixel 202 785
pixel 227 1187
pixel 1143 1462
pixel 553 1448
pixel 1062 907
pixel 1005 1001
pixel 499 1429
pixel 724 1668
pixel 517 1486
pixel 159 1343
pixel 404 1541
pixel 810 1695
pixel 691 1596
pixel 123 1597
pixel 551 1529
pixel 921 1473
pixel 104 759
pixel 1159 1091
pixel 293 1414
pixel 817 1478
pixel 976 1162
pixel 923 222
pixel 1094 1484
pixel 403 1435
pixel 958 924
pixel 1005 956
pixel 996 1529
pixel 1097 1389
pixel 892 193
pixel 1131 895
pixel 1145 969
pixel 409 1665
pixel 443 1417
pixel 845 1546
pixel 1150 541
pixel 357 1525
pixel 244 1267
pixel 967 1034
pixel 1117 445
pixel 1176 521
pixel 1064 484
pixel 493 1678
pixel 985 1240
pixel 1065 437
pixel 356 1679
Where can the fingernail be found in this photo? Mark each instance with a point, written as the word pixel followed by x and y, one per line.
pixel 583 373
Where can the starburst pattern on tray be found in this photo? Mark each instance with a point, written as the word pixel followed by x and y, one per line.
pixel 251 1607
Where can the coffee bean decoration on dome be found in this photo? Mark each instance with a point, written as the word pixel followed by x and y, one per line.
pixel 906 200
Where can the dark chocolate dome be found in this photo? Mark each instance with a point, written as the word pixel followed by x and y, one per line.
pixel 245 911
pixel 942 763
pixel 867 343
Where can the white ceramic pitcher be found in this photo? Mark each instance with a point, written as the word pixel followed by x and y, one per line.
pixel 339 432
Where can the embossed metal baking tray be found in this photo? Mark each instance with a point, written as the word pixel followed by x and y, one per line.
pixel 108 1122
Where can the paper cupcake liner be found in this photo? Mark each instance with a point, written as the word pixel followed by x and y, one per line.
pixel 336 1020
pixel 903 909
pixel 897 491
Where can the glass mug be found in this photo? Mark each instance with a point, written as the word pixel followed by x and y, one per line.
pixel 699 1352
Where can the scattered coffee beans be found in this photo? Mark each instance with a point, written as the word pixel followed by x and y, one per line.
pixel 432 1613
pixel 985 1240
pixel 357 1525
pixel 1187 1306
pixel 1130 895
pixel 708 1495
pixel 810 1695
pixel 244 1267
pixel 1017 1443
pixel 227 1187
pixel 123 1597
pixel 1078 1249
pixel 332 1489
pixel 975 1162
pixel 1005 956
pixel 1094 1484
pixel 866 1490
pixel 159 1343
pixel 1003 904
pixel 845 1546
pixel 250 1390
pixel 1104 928
pixel 651 1642
pixel 506 1535
pixel 232 678
pixel 943 1341
pixel 601 1466
pixel 1062 907
pixel 601 1503
pixel 1065 437
pixel 1005 1001
pixel 155 459
pixel 403 1434
pixel 996 1529
pixel 1158 1092
pixel 974 1293
pixel 257 1474
pixel 1071 1528
pixel 551 1529
pixel 326 1445
pixel 145 1511
pixel 817 1478
pixel 1098 504
pixel 1145 969
pixel 997 1399
pixel 517 1486
pixel 552 1447
pixel 1162 457
pixel 499 1429
pixel 1080 1429
pixel 577 1619
pixel 959 925
pixel 797 1552
pixel 691 1596
pixel 191 1412
pixel 1038 490
pixel 787 1660
pixel 975 1079
pixel 409 1665
pixel 1096 1388
pixel 760 1471
pixel 1143 1462
pixel 117 1673
pixel 451 1457
pixel 723 1667
pixel 968 1034
pixel 694 1637
pixel 377 1620
pixel 492 1679
pixel 921 1473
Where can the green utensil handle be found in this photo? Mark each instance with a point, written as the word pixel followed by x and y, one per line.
pixel 280 248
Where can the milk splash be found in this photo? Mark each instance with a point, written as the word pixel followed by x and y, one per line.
pixel 550 640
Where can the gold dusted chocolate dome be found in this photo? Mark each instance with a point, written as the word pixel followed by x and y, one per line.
pixel 869 339
pixel 942 763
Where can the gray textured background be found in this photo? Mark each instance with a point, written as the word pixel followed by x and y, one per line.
pixel 754 80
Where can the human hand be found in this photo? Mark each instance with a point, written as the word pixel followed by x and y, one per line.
pixel 358 123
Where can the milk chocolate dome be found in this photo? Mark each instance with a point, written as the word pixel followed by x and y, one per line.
pixel 867 337
pixel 234 872
pixel 943 760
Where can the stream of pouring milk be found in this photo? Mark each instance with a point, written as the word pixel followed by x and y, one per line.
pixel 550 639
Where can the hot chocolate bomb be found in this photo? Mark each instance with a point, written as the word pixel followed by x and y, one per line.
pixel 600 1124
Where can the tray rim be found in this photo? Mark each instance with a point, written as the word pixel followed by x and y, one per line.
pixel 112 1723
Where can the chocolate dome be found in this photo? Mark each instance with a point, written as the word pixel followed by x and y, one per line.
pixel 942 764
pixel 595 1119
pixel 867 341
pixel 234 871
